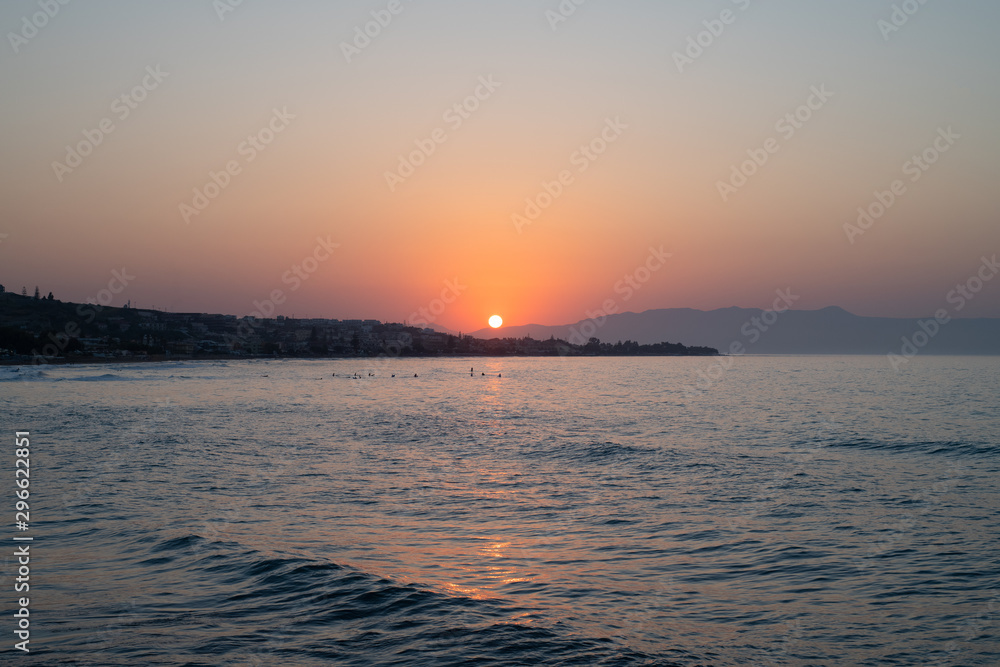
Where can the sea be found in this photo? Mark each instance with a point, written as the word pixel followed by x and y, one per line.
pixel 752 510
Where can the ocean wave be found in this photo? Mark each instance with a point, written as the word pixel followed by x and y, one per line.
pixel 586 451
pixel 322 611
pixel 23 374
pixel 105 377
pixel 935 447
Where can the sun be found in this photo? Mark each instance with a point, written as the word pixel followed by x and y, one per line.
pixel 496 321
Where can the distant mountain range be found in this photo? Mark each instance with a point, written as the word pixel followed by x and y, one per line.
pixel 830 330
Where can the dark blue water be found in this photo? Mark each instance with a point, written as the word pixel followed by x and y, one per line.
pixel 794 510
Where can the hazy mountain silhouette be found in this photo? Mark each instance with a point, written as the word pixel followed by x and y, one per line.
pixel 830 330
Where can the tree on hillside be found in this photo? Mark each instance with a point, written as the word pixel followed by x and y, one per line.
pixel 50 297
pixel 24 291
pixel 38 295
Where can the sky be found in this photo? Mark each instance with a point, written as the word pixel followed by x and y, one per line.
pixel 537 160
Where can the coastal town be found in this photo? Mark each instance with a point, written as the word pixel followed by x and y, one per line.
pixel 37 329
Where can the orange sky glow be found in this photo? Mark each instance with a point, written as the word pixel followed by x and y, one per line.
pixel 496 162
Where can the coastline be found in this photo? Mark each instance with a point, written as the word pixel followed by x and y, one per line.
pixel 160 358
